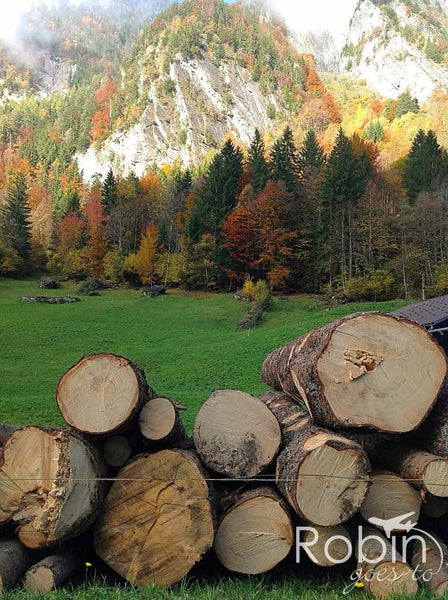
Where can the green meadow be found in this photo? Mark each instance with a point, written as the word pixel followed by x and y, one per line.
pixel 188 345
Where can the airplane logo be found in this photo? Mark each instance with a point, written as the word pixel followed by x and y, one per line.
pixel 394 524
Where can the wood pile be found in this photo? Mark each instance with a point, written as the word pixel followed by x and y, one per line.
pixel 340 443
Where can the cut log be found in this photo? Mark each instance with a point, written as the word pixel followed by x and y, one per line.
pixel 255 534
pixel 48 485
pixel 364 370
pixel 328 546
pixel 235 434
pixel 102 393
pixel 157 520
pixel 323 475
pixel 422 469
pixel 117 450
pixel 14 561
pixel 52 571
pixel 430 563
pixel 390 497
pixel 381 569
pixel 434 506
pixel 160 422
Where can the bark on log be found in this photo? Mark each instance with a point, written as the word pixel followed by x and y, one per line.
pixel 52 571
pixel 160 422
pixel 48 485
pixel 102 393
pixel 434 506
pixel 157 520
pixel 364 370
pixel 14 561
pixel 430 563
pixel 235 434
pixel 383 571
pixel 390 497
pixel 323 475
pixel 433 433
pixel 422 469
pixel 5 432
pixel 255 533
pixel 328 545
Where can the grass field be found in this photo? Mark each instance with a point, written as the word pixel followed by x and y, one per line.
pixel 188 345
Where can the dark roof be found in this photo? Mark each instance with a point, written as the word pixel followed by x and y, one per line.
pixel 428 312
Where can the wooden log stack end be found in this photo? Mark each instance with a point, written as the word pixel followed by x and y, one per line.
pixel 235 434
pixel 255 533
pixel 160 423
pixel 102 393
pixel 52 571
pixel 364 370
pixel 157 520
pixel 49 485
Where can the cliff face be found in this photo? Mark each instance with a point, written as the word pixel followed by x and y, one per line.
pixel 397 46
pixel 203 104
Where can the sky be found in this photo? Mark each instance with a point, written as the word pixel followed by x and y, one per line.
pixel 300 15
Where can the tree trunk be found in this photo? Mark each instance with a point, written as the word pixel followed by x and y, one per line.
pixel 430 562
pixel 160 422
pixel 102 393
pixel 52 571
pixel 14 561
pixel 390 497
pixel 364 370
pixel 235 434
pixel 157 520
pixel 255 533
pixel 324 476
pixel 49 485
pixel 328 545
pixel 422 469
pixel 382 570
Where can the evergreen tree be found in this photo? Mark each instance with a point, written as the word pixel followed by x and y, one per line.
pixel 15 222
pixel 284 162
pixel 311 156
pixel 109 194
pixel 257 163
pixel 406 103
pixel 424 164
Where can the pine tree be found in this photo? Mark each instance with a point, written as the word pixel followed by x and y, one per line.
pixel 15 222
pixel 257 163
pixel 424 164
pixel 109 194
pixel 284 162
pixel 311 156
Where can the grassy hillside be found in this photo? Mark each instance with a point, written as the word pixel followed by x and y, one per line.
pixel 187 343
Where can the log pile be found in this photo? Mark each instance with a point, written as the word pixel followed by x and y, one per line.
pixel 338 456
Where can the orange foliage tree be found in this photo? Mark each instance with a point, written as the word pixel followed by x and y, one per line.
pixel 146 254
pixel 95 250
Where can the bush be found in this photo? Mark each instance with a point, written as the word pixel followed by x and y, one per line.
pixel 48 283
pixel 377 285
pixel 89 285
pixel 262 301
pixel 10 262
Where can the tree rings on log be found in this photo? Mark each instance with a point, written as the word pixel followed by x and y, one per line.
pixel 101 393
pixel 157 520
pixel 255 534
pixel 236 434
pixel 364 370
pixel 52 571
pixel 48 485
pixel 328 546
pixel 160 422
pixel 390 497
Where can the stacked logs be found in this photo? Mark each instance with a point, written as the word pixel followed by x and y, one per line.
pixel 340 443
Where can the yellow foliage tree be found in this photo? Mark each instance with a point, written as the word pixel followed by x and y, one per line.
pixel 146 254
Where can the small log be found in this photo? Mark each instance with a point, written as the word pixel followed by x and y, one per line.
pixel 160 422
pixel 328 545
pixel 390 497
pixel 14 561
pixel 49 485
pixel 52 571
pixel 235 434
pixel 255 533
pixel 157 520
pixel 430 563
pixel 364 370
pixel 323 475
pixel 117 450
pixel 102 393
pixel 381 569
pixel 422 469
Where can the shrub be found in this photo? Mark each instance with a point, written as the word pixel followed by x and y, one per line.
pixel 89 285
